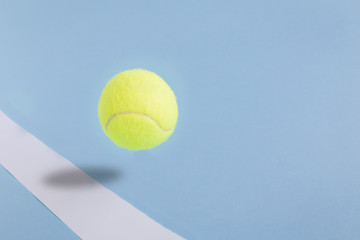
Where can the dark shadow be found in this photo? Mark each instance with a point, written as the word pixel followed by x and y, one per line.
pixel 86 177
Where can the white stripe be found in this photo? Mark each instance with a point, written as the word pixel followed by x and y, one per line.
pixel 92 212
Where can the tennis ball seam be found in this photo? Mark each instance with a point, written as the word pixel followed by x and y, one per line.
pixel 140 114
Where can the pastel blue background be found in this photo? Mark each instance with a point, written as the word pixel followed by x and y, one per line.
pixel 268 137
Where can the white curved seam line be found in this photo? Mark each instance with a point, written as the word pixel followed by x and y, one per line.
pixel 141 114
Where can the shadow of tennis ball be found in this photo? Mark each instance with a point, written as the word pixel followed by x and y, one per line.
pixel 86 177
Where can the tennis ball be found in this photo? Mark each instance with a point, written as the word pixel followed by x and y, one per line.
pixel 137 110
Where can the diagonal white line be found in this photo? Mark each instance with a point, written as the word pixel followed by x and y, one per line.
pixel 94 212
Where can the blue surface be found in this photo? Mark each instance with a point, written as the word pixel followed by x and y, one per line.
pixel 267 143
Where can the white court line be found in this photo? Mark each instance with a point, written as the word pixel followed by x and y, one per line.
pixel 93 213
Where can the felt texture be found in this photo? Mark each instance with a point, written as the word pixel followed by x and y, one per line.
pixel 137 109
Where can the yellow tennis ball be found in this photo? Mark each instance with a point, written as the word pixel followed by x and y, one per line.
pixel 137 110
